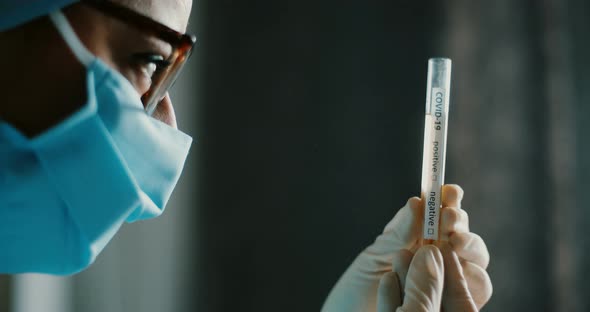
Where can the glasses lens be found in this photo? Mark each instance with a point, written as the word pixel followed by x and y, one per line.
pixel 164 79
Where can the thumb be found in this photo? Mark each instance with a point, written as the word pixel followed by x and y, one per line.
pixel 389 295
pixel 424 282
pixel 457 295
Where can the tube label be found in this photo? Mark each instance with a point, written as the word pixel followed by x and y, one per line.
pixel 434 161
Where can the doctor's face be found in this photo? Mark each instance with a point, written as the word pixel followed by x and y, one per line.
pixel 136 54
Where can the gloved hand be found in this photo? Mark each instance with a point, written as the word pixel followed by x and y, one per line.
pixel 465 259
pixel 424 285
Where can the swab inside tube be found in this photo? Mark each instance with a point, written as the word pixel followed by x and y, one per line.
pixel 435 144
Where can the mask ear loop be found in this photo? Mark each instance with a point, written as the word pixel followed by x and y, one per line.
pixel 72 40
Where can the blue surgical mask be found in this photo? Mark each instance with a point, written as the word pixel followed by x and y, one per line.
pixel 66 192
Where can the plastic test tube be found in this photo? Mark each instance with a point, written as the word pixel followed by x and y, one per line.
pixel 435 144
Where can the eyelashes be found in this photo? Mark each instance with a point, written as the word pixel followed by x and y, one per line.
pixel 150 63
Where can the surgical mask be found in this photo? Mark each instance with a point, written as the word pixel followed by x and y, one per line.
pixel 66 192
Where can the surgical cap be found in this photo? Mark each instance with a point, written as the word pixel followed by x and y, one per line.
pixel 16 12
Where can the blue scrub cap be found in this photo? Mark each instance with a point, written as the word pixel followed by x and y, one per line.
pixel 16 12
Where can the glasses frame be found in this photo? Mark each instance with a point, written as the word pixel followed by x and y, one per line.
pixel 182 46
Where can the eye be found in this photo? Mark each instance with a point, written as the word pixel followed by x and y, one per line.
pixel 150 63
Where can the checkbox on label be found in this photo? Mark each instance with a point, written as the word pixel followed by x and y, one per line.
pixel 430 231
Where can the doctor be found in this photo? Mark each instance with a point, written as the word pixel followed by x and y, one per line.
pixel 88 137
pixel 88 141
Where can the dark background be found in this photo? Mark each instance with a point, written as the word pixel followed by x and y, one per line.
pixel 308 118
pixel 312 128
pixel 312 139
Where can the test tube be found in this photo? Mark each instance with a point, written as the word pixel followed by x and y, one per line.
pixel 435 144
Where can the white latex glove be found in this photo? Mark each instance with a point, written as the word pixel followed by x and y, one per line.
pixel 424 285
pixel 466 258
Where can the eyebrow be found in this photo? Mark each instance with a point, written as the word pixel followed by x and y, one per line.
pixel 160 46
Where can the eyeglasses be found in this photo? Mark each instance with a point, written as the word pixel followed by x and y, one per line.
pixel 182 46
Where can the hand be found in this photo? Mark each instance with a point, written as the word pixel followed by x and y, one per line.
pixel 466 255
pixel 424 285
pixel 424 282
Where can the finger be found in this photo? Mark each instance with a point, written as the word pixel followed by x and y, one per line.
pixel 424 282
pixel 456 295
pixel 389 293
pixel 478 282
pixel 453 220
pixel 403 231
pixel 409 211
pixel 452 194
pixel 401 265
pixel 165 112
pixel 470 247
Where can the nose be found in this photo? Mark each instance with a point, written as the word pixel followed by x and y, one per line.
pixel 165 112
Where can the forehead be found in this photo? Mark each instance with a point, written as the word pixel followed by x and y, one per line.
pixel 172 13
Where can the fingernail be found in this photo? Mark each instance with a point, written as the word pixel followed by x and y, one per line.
pixel 461 193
